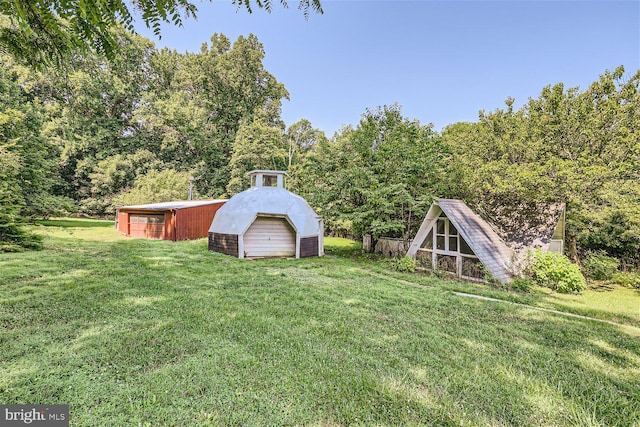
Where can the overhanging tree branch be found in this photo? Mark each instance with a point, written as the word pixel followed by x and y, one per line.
pixel 42 33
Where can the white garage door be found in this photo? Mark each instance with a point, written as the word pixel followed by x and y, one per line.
pixel 270 237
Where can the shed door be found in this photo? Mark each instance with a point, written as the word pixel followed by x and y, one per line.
pixel 146 225
pixel 270 237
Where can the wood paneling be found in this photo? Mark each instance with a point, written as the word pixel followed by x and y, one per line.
pixel 309 247
pixel 123 222
pixel 176 223
pixel 224 243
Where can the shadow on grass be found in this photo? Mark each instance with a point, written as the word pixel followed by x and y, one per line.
pixel 75 223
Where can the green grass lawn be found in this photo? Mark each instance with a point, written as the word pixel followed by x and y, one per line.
pixel 133 332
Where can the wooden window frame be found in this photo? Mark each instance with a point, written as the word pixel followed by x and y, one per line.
pixel 446 251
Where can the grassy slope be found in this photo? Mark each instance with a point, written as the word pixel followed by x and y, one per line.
pixel 610 303
pixel 135 332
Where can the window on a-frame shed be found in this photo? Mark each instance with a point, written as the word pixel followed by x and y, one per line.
pixel 464 247
pixel 428 242
pixel 453 238
pixel 441 226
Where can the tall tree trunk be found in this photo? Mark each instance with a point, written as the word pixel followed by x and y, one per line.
pixel 570 238
pixel 572 249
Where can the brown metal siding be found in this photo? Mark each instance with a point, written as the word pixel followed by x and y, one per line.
pixel 224 243
pixel 308 247
pixel 123 222
pixel 194 222
pixel 179 224
pixel 169 226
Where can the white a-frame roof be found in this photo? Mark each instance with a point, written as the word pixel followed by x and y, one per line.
pixel 485 243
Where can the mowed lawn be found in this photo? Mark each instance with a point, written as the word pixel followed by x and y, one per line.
pixel 133 332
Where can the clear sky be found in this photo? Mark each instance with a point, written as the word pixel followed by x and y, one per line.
pixel 442 61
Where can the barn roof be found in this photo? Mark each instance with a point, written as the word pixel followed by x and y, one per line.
pixel 240 211
pixel 165 206
pixel 483 240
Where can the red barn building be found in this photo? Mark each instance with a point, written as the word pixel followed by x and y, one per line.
pixel 184 220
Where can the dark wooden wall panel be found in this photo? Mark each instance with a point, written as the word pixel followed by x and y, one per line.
pixel 224 243
pixel 308 247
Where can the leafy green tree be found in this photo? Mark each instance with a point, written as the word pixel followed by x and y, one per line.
pixel 52 31
pixel 185 109
pixel 577 147
pixel 12 237
pixel 114 175
pixel 378 178
pixel 25 160
pixel 155 187
pixel 91 111
pixel 119 171
pixel 21 120
pixel 257 146
pixel 196 103
pixel 301 137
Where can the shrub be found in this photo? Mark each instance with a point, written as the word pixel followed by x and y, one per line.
pixel 616 231
pixel 599 266
pixel 97 206
pixel 555 271
pixel 521 284
pixel 14 238
pixel 626 278
pixel 405 264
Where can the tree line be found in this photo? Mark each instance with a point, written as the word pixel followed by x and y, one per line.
pixel 133 129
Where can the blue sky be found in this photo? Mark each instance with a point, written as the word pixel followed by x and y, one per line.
pixel 442 61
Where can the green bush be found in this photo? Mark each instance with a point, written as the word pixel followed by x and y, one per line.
pixel 97 206
pixel 521 284
pixel 405 264
pixel 555 271
pixel 626 278
pixel 599 266
pixel 14 238
pixel 616 231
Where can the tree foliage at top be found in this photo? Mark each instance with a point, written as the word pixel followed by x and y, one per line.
pixel 155 187
pixel 196 104
pixel 581 148
pixel 25 161
pixel 108 122
pixel 378 178
pixel 52 31
pixel 257 146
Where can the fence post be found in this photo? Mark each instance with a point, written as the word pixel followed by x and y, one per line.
pixel 367 243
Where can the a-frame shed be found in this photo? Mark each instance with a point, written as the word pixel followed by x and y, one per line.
pixel 453 238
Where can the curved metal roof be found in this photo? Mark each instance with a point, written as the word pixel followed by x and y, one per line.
pixel 235 216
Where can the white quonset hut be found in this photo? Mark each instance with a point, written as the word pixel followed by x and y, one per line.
pixel 267 221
